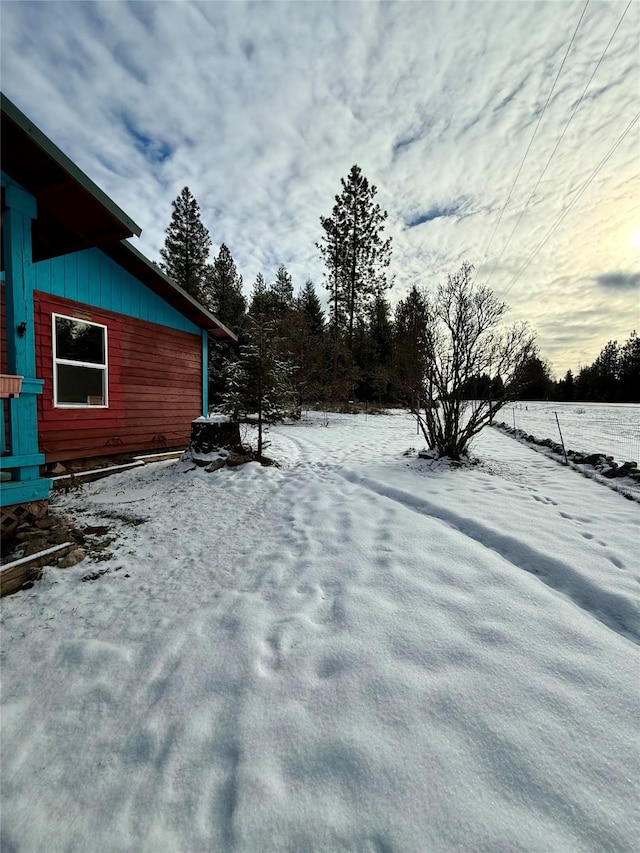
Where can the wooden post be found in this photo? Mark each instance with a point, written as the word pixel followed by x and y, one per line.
pixel 205 373
pixel 24 459
pixel 564 450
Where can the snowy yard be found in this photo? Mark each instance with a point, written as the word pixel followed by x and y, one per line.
pixel 357 651
pixel 587 427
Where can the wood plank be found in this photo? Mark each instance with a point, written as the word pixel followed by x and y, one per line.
pixel 15 575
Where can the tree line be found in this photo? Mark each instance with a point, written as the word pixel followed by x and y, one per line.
pixel 447 355
pixel 614 377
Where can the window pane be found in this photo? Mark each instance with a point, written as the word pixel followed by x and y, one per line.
pixel 78 341
pixel 84 385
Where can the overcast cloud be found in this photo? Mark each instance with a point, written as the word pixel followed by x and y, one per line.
pixel 260 108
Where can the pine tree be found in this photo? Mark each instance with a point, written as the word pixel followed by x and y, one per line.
pixel 223 287
pixel 281 292
pixel 565 389
pixel 410 346
pixel 372 350
pixel 309 304
pixel 330 249
pixel 307 343
pixel 629 370
pixel 186 245
pixel 260 299
pixel 260 383
pixel 355 254
pixel 605 369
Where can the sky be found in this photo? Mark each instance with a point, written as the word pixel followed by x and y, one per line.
pixel 481 125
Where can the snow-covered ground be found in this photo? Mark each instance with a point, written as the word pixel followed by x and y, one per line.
pixel 586 427
pixel 357 651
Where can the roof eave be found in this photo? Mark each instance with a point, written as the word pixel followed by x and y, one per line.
pixel 184 301
pixel 61 159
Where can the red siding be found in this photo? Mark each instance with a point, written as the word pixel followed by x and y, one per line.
pixel 155 387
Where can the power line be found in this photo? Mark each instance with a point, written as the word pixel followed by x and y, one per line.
pixel 557 145
pixel 580 193
pixel 526 153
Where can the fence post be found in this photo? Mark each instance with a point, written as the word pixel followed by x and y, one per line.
pixel 564 450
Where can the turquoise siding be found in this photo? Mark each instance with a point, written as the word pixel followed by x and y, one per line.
pixel 24 460
pixel 93 278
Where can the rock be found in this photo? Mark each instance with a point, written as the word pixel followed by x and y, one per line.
pixel 609 472
pixel 47 522
pixel 33 546
pixel 428 454
pixel 75 556
pixel 95 531
pixel 29 535
pixel 58 469
pixel 201 463
pixel 237 459
pixel 593 459
pixel 215 465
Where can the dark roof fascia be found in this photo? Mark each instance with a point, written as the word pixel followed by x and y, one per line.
pixel 159 282
pixel 61 159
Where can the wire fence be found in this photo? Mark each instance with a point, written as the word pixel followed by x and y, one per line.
pixel 614 431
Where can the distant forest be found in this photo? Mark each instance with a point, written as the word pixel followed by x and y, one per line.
pixel 614 377
pixel 359 350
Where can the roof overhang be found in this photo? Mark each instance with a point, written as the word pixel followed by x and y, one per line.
pixel 150 274
pixel 73 212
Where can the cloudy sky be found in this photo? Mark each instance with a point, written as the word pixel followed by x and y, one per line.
pixel 260 108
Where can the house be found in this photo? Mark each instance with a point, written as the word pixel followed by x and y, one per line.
pixel 112 353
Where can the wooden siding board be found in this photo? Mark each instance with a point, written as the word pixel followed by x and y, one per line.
pixel 149 405
pixel 94 279
pixel 68 269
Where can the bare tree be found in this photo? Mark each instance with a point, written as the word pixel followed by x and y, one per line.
pixel 465 341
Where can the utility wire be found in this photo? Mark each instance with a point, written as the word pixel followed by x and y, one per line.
pixel 526 153
pixel 580 193
pixel 566 127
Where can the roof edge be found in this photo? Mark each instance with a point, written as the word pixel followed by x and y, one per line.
pixel 157 271
pixel 50 148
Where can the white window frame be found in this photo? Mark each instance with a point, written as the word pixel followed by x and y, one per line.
pixel 56 361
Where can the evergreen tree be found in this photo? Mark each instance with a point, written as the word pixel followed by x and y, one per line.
pixel 410 346
pixel 309 305
pixel 260 382
pixel 585 384
pixel 373 351
pixel 565 389
pixel 535 379
pixel 355 254
pixel 281 292
pixel 629 370
pixel 186 245
pixel 330 249
pixel 605 372
pixel 306 342
pixel 223 288
pixel 260 305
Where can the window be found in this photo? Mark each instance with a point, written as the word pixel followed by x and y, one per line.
pixel 79 362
